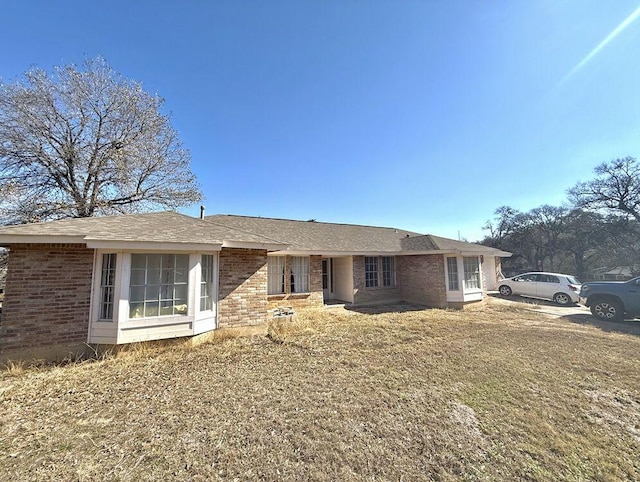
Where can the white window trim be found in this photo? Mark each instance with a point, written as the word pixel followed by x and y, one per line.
pixel 110 331
pixel 463 294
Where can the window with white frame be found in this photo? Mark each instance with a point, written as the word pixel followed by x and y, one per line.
pixel 388 271
pixel 107 286
pixel 206 282
pixel 452 273
pixel 158 285
pixel 471 273
pixel 275 275
pixel 370 271
pixel 299 274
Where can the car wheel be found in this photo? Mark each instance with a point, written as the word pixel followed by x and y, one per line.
pixel 504 290
pixel 607 310
pixel 562 299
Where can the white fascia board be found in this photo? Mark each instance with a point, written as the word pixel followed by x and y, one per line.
pixel 6 239
pixel 252 245
pixel 151 246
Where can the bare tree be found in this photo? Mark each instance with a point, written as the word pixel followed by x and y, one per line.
pixel 85 142
pixel 616 188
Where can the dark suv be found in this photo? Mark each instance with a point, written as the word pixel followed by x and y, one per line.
pixel 611 300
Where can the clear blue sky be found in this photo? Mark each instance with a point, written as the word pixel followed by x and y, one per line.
pixel 423 115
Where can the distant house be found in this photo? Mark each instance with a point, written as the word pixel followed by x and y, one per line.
pixel 130 278
pixel 619 273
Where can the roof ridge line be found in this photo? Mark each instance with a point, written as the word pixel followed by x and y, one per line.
pixel 313 221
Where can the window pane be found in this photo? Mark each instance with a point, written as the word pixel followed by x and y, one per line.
pixel 137 277
pixel 181 292
pixel 452 272
pixel 136 310
pixel 152 293
pixel 166 308
pixel 151 308
pixel 154 261
pixel 136 293
pixel 138 261
pixel 182 262
pixel 153 276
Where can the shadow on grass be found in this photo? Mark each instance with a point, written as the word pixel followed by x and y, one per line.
pixel 629 327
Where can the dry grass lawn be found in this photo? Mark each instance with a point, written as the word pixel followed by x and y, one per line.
pixel 490 393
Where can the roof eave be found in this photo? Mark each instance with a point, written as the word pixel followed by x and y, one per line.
pixel 9 239
pixel 253 245
pixel 121 245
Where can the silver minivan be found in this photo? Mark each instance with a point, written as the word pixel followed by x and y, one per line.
pixel 560 288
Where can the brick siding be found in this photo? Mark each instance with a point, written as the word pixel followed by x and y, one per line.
pixel 423 279
pixel 379 294
pixel 47 297
pixel 242 287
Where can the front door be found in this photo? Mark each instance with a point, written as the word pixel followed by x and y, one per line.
pixel 327 278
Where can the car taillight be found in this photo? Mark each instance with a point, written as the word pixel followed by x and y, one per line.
pixel 574 288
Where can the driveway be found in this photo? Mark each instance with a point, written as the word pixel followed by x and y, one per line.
pixel 573 313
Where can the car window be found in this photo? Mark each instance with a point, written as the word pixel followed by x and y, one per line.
pixel 547 278
pixel 573 281
pixel 527 277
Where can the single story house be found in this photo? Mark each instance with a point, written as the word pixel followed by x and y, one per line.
pixel 130 278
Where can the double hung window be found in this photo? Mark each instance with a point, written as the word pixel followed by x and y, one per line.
pixel 471 273
pixel 388 271
pixel 107 286
pixel 299 274
pixel 370 271
pixel 206 282
pixel 275 270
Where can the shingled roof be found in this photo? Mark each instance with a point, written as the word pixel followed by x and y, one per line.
pixel 155 228
pixel 327 238
pixel 179 231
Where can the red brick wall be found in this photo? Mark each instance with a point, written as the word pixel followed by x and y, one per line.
pixel 423 280
pixel 242 296
pixel 47 297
